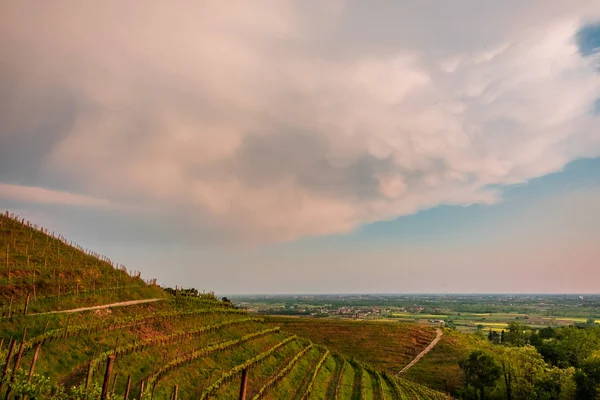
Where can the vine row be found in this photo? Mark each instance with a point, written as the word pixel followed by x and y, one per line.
pixel 125 322
pixel 238 368
pixel 219 347
pixel 314 376
pixel 282 373
pixel 144 344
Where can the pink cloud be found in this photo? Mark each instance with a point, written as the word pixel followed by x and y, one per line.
pixel 191 106
pixel 29 194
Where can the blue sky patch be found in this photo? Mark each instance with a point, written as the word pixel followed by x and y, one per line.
pixel 588 39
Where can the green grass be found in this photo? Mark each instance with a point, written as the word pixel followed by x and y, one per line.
pixel 347 383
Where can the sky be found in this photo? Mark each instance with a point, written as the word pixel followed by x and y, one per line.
pixel 332 146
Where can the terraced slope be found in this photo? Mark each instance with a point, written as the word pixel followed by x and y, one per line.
pixel 58 274
pixel 387 346
pixel 182 347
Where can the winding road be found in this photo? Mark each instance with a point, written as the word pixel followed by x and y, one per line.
pixel 438 336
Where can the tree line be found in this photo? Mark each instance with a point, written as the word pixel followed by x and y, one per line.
pixel 560 363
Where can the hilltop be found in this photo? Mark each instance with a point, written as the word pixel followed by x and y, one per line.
pixel 58 274
pixel 140 341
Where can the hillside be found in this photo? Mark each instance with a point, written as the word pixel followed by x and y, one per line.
pixel 440 368
pixel 177 345
pixel 387 346
pixel 58 274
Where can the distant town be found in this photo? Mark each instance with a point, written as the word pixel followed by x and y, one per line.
pixel 464 312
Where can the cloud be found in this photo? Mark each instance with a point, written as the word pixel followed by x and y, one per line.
pixel 271 123
pixel 29 194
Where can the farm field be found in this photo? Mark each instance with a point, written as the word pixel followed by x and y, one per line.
pixel 467 322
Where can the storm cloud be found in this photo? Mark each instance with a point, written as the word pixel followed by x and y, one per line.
pixel 268 121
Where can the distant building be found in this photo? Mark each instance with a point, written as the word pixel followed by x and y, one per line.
pixel 441 322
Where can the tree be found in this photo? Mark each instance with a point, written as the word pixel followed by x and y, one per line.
pixel 521 368
pixel 587 379
pixel 555 384
pixel 578 343
pixel 547 333
pixel 553 353
pixel 481 372
pixel 516 334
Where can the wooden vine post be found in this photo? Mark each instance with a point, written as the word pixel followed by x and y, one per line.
pixel 66 333
pixel 7 263
pixel 109 366
pixel 88 378
pixel 32 368
pixel 35 357
pixel 114 384
pixel 127 388
pixel 26 304
pixel 11 349
pixel 175 392
pixel 20 353
pixel 243 384
pixel 17 365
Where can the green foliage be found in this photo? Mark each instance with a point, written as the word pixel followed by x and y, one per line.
pixel 556 384
pixel 521 368
pixel 587 379
pixel 80 393
pixel 35 388
pixel 481 371
pixel 517 334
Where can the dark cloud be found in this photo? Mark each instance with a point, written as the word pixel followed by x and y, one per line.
pixel 31 124
pixel 264 160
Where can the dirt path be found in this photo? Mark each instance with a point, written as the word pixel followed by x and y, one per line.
pixel 427 349
pixel 121 304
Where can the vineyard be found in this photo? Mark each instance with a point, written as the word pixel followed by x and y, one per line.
pixel 383 345
pixel 177 347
